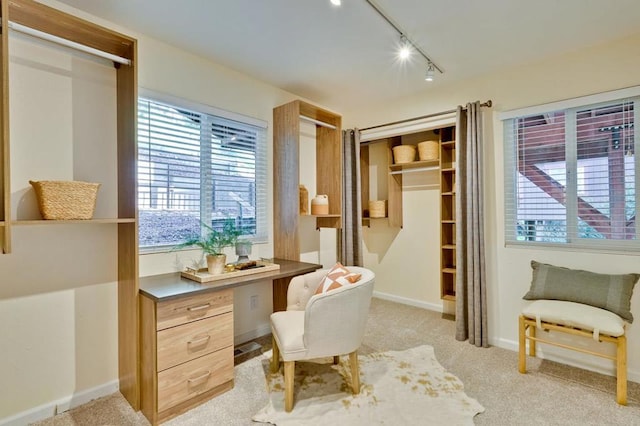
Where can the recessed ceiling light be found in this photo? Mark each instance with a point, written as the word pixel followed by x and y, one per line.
pixel 336 2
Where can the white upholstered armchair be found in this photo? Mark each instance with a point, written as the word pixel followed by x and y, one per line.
pixel 321 325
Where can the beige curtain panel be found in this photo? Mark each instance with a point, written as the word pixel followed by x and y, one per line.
pixel 471 292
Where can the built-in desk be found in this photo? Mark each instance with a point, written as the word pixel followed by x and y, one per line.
pixel 186 336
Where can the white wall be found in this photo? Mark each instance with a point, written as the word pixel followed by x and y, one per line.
pixel 592 70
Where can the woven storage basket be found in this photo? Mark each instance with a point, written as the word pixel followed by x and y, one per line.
pixel 404 154
pixel 377 208
pixel 428 150
pixel 65 200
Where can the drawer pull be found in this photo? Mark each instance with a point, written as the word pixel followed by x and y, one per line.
pixel 199 341
pixel 199 308
pixel 199 378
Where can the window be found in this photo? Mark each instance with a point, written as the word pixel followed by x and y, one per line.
pixel 571 175
pixel 193 167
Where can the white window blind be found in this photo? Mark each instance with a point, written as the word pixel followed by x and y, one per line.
pixel 195 167
pixel 571 176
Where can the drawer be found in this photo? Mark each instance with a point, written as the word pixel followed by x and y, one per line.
pixel 189 341
pixel 192 378
pixel 193 308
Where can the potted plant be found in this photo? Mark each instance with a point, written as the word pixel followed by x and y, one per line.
pixel 213 243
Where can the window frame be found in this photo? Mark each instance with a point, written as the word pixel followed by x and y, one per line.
pixel 262 178
pixel 570 107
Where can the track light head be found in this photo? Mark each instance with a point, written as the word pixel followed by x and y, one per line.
pixel 405 48
pixel 430 73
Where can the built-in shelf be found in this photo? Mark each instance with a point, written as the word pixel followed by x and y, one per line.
pixel 320 215
pixel 414 166
pixel 69 222
pixel 2 223
pixel 447 163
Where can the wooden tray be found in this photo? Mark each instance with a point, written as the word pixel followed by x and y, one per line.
pixel 203 276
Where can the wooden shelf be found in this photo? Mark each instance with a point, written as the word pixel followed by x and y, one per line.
pixel 286 176
pixel 320 215
pixel 51 21
pixel 71 222
pixel 447 160
pixel 414 165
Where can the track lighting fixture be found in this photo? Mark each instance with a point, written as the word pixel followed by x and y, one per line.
pixel 430 72
pixel 407 45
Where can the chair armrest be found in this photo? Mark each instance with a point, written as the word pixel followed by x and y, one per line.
pixel 301 288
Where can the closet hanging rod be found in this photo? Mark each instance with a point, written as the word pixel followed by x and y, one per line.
pixel 485 104
pixel 68 43
pixel 318 122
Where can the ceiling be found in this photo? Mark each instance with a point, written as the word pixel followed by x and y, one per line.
pixel 346 56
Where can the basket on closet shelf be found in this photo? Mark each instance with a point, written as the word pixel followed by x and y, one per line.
pixel 404 154
pixel 377 208
pixel 428 150
pixel 65 200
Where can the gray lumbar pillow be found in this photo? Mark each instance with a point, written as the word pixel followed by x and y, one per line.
pixel 610 292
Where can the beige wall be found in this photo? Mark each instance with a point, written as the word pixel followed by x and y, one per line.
pixel 593 70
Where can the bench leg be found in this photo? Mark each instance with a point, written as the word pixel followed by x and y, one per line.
pixel 621 373
pixel 522 358
pixel 532 343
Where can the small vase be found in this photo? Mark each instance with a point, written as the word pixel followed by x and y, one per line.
pixel 243 250
pixel 215 263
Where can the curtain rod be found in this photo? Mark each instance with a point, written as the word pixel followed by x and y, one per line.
pixel 484 104
pixel 68 43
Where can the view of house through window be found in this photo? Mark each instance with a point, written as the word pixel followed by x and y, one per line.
pixel 197 168
pixel 571 176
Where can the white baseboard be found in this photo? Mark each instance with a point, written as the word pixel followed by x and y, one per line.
pixel 52 408
pixel 601 368
pixel 407 301
pixel 261 330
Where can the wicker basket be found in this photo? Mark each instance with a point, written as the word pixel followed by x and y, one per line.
pixel 377 208
pixel 428 150
pixel 404 154
pixel 63 200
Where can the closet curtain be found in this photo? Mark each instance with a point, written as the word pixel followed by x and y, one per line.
pixel 471 291
pixel 350 236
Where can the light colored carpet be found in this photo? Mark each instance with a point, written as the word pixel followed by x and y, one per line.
pixel 398 387
pixel 550 394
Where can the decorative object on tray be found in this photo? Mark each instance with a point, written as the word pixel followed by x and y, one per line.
pixel 243 250
pixel 377 208
pixel 235 270
pixel 428 150
pixel 320 204
pixel 213 243
pixel 65 200
pixel 404 154
pixel 304 200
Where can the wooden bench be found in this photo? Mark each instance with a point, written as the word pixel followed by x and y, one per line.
pixel 579 320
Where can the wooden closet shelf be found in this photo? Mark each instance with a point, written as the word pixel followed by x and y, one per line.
pixel 72 222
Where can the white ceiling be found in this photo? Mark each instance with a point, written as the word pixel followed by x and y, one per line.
pixel 346 55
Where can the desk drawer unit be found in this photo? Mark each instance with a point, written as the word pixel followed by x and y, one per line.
pixel 186 353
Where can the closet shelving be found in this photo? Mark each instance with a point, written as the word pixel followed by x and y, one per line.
pixel 47 21
pixel 447 214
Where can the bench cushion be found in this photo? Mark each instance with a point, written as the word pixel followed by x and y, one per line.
pixel 576 315
pixel 610 292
